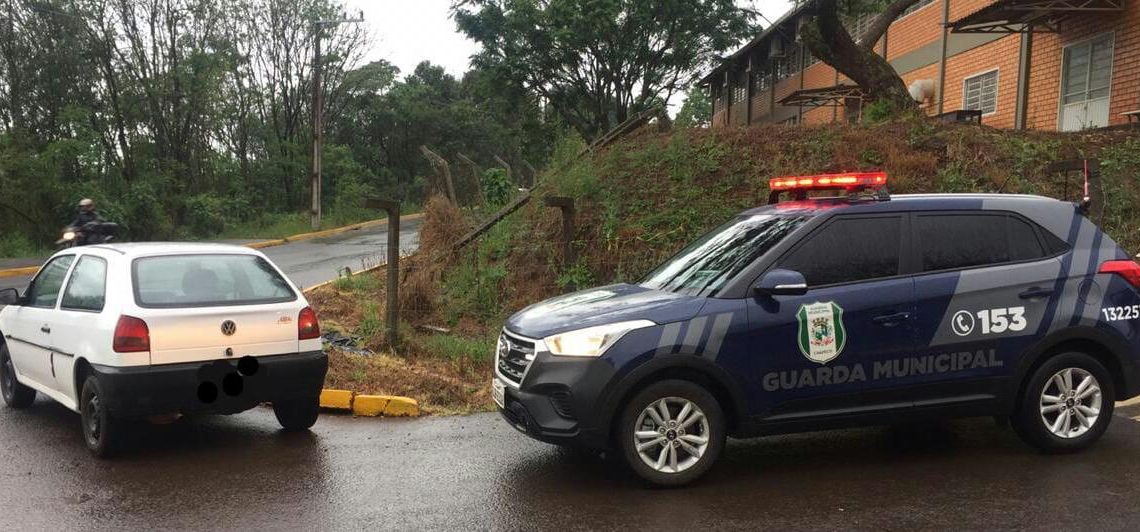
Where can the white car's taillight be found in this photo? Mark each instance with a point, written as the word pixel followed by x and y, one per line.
pixel 131 335
pixel 307 325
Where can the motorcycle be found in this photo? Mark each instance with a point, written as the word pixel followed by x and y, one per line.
pixel 89 233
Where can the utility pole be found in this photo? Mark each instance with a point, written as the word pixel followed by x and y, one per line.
pixel 318 108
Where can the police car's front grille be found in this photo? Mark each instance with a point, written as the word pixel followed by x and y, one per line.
pixel 513 356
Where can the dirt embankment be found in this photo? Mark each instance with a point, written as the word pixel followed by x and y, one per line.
pixel 641 199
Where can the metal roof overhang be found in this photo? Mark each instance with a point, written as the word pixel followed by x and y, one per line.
pixel 1020 16
pixel 822 96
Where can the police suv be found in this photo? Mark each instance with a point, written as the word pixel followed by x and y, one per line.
pixel 827 312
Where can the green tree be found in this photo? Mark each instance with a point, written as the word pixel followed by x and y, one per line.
pixel 596 62
pixel 827 38
pixel 696 111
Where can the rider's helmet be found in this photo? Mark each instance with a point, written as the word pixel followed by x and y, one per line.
pixel 86 204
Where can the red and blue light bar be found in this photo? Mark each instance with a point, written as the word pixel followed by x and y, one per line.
pixel 829 181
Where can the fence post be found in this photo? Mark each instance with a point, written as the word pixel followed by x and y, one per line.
pixel 439 164
pixel 533 173
pixel 566 205
pixel 393 285
pixel 474 177
pixel 506 167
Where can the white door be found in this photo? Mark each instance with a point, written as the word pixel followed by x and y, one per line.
pixel 73 324
pixel 1086 80
pixel 30 339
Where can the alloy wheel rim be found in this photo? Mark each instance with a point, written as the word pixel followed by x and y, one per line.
pixel 91 422
pixel 671 435
pixel 1070 403
pixel 8 378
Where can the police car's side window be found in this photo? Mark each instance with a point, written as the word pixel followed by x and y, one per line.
pixel 847 250
pixel 953 241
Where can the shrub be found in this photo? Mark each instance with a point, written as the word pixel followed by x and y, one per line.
pixel 497 187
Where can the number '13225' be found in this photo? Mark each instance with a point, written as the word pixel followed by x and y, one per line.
pixel 1121 313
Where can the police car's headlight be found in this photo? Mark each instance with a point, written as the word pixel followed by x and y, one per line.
pixel 592 341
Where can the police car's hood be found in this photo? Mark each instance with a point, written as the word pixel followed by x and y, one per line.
pixel 599 306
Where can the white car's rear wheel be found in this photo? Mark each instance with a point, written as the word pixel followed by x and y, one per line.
pixel 101 431
pixel 16 395
pixel 298 414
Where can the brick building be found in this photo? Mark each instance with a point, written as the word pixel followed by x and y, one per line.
pixel 1033 64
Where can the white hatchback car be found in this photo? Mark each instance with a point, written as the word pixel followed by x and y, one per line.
pixel 125 331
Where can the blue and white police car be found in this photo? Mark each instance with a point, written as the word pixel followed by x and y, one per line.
pixel 825 312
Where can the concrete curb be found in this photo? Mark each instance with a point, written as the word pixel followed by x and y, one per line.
pixel 19 272
pixel 330 232
pixel 31 270
pixel 331 281
pixel 369 405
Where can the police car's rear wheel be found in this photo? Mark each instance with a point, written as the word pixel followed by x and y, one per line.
pixel 672 432
pixel 1067 404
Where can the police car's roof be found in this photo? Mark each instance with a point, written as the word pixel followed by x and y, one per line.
pixel 899 202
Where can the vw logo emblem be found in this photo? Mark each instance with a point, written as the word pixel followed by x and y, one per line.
pixel 229 328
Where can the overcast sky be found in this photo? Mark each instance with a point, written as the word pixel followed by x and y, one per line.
pixel 406 32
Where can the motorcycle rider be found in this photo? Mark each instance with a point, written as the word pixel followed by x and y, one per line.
pixel 85 216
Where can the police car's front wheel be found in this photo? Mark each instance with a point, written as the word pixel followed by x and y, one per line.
pixel 1066 405
pixel 672 432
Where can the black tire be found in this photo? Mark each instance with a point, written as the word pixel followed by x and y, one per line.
pixel 102 432
pixel 297 415
pixel 675 393
pixel 1034 426
pixel 16 395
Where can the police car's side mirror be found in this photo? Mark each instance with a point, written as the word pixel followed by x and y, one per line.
pixel 781 283
pixel 9 296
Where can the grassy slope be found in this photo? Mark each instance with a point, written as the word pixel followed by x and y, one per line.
pixel 642 199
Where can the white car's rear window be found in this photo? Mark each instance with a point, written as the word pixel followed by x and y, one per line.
pixel 203 280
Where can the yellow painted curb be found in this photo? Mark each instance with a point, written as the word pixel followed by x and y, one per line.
pixel 266 244
pixel 402 406
pixel 338 399
pixel 329 232
pixel 369 405
pixel 19 272
pixel 331 281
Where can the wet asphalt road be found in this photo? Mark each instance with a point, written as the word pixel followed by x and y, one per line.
pixel 315 261
pixel 464 473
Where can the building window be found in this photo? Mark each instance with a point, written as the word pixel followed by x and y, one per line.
pixel 761 80
pixel 980 93
pixel 740 88
pixel 788 64
pixel 918 5
pixel 1086 79
pixel 859 25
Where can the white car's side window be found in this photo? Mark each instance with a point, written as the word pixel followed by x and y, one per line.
pixel 86 290
pixel 45 288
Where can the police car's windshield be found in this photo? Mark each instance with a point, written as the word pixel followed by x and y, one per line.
pixel 702 268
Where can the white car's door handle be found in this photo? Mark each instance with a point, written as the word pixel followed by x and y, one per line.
pixel 45 329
